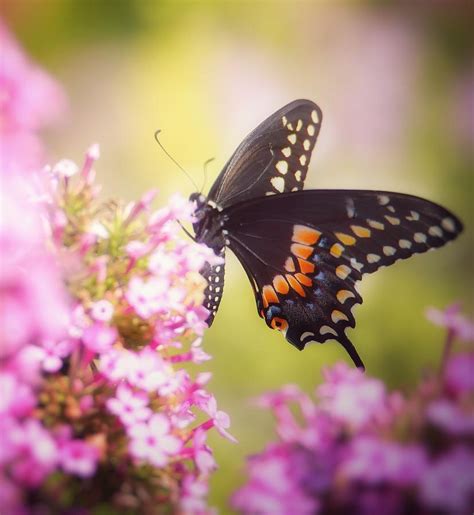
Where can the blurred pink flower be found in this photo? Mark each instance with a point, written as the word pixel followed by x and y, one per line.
pixel 152 441
pixel 451 319
pixel 352 397
pixel 102 311
pixel 32 298
pixel 99 337
pixel 148 297
pixel 29 100
pixel 78 457
pixel 448 483
pixel 459 374
pixel 129 406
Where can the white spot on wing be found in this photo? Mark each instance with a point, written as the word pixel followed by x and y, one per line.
pixel 325 329
pixel 306 144
pixel 292 138
pixel 389 251
pixel 298 175
pixel 419 237
pixel 282 167
pixel 373 258
pixel 434 230
pixel 314 116
pixel 383 199
pixel 299 125
pixel 404 244
pixel 303 160
pixel 286 151
pixel 307 334
pixel 311 130
pixel 278 183
pixel 448 224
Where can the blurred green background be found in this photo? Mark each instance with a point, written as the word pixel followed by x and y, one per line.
pixel 395 82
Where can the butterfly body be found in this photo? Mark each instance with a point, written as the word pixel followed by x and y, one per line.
pixel 305 250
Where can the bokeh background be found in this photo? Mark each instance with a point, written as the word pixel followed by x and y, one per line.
pixel 395 81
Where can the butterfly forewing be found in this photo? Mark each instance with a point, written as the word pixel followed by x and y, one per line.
pixel 273 158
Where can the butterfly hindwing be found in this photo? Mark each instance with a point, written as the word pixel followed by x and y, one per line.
pixel 273 158
pixel 307 250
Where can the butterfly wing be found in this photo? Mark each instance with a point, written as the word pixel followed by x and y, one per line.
pixel 305 252
pixel 273 158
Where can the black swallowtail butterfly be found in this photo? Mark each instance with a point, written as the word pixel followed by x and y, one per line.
pixel 304 251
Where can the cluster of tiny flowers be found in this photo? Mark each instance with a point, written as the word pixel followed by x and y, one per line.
pixel 102 323
pixel 95 381
pixel 361 449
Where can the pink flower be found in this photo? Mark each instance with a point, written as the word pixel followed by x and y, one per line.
pixel 129 406
pixel 148 297
pixel 29 99
pixel 374 461
pixel 352 397
pixel 54 352
pixel 219 419
pixel 152 441
pixel 102 311
pixel 79 458
pixel 37 453
pixel 99 337
pixel 452 320
pixel 448 483
pixel 459 374
pixel 449 417
pixel 17 398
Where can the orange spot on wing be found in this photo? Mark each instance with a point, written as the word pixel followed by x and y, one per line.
pixel 304 279
pixel 301 251
pixel 269 296
pixel 305 266
pixel 362 232
pixel 345 238
pixel 343 295
pixel 280 324
pixel 280 284
pixel 290 265
pixel 295 285
pixel 305 235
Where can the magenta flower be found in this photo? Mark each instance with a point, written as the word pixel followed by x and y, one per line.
pixel 451 319
pixel 148 297
pixel 459 374
pixel 102 311
pixel 151 441
pixel 129 406
pixel 78 458
pixel 448 484
pixel 99 337
pixel 29 100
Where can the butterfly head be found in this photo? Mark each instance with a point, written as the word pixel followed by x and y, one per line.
pixel 208 221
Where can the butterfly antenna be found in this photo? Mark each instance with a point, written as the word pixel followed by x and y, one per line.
pixel 173 159
pixel 206 164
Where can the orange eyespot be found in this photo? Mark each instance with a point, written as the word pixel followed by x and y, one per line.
pixel 280 324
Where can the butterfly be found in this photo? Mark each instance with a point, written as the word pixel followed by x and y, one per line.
pixel 304 251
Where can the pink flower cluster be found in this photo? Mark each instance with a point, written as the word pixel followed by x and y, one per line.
pixel 102 323
pixel 29 100
pixel 361 449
